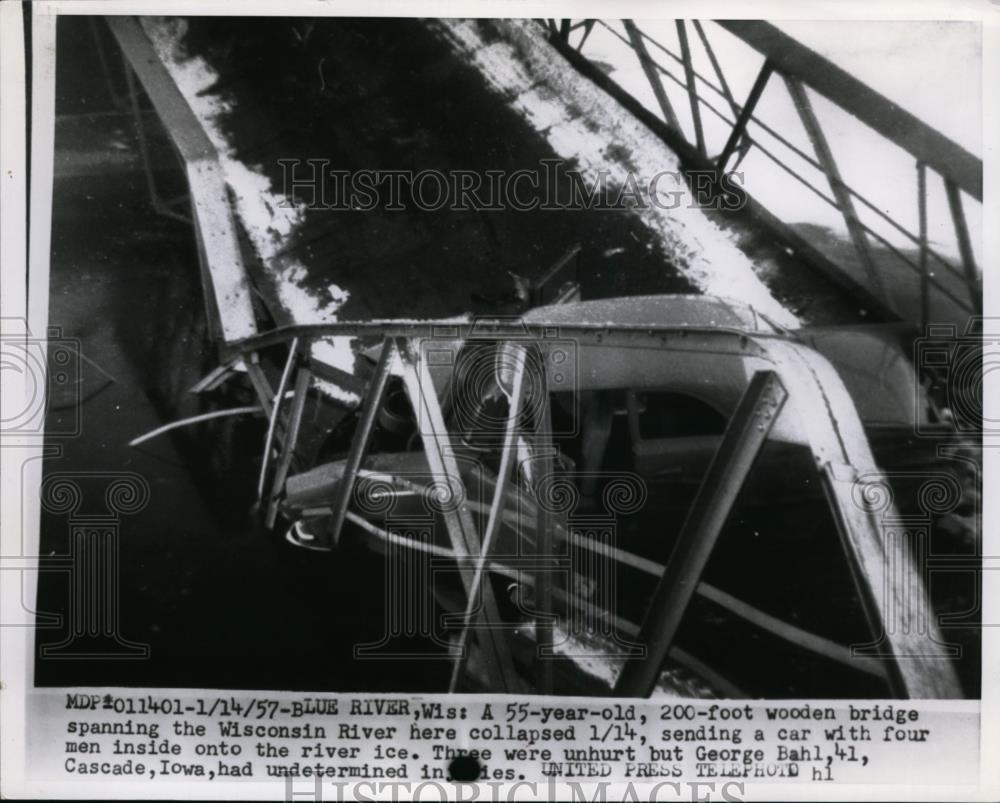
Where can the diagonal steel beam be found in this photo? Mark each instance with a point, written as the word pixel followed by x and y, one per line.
pixel 362 437
pixel 588 26
pixel 299 394
pixel 740 126
pixel 515 402
pixel 293 354
pixel 720 76
pixel 263 389
pixel 717 68
pixel 461 528
pixel 747 431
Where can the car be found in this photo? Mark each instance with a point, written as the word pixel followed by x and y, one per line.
pixel 574 481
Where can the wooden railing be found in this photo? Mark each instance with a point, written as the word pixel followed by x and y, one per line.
pixel 800 69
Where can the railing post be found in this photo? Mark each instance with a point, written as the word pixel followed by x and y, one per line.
pixel 652 75
pixel 588 26
pixel 717 68
pixel 739 127
pixel 692 88
pixel 840 191
pixel 723 84
pixel 964 244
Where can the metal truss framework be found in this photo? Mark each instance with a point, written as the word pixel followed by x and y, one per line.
pixel 890 586
pixel 803 71
pixel 911 656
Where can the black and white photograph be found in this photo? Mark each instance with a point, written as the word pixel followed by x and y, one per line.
pixel 594 373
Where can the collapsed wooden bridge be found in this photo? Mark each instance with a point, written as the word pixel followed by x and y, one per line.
pixel 486 501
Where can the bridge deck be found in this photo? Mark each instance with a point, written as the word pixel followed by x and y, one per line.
pixel 395 94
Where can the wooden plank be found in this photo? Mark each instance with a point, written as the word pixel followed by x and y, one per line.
pixel 792 633
pixel 889 582
pixel 209 196
pixel 893 595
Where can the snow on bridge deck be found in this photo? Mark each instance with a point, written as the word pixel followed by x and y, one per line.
pixel 455 95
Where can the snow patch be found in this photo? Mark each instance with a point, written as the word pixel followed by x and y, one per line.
pixel 269 219
pixel 540 88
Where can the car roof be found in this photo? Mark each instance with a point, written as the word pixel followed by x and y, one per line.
pixel 656 310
